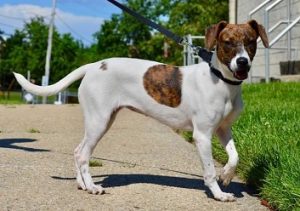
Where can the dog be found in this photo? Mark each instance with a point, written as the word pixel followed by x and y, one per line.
pixel 188 98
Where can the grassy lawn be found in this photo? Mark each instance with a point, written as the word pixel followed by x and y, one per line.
pixel 272 114
pixel 267 136
pixel 12 98
pixel 16 98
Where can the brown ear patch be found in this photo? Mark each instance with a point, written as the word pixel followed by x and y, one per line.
pixel 103 66
pixel 260 30
pixel 212 33
pixel 163 84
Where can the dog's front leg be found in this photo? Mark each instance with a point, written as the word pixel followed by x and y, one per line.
pixel 203 143
pixel 225 136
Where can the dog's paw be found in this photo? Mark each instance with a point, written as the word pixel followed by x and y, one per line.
pixel 225 197
pixel 227 174
pixel 96 189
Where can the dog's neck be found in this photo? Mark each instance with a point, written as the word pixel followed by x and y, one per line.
pixel 216 63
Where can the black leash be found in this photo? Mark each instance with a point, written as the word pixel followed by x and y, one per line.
pixel 148 22
pixel 202 52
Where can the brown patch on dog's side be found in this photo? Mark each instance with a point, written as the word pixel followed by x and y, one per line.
pixel 103 66
pixel 163 84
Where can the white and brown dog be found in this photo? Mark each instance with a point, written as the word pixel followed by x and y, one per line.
pixel 188 98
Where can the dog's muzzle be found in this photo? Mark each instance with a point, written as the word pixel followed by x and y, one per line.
pixel 243 67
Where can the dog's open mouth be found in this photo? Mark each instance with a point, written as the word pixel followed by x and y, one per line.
pixel 241 74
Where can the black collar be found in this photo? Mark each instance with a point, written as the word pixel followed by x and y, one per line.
pixel 206 56
pixel 220 76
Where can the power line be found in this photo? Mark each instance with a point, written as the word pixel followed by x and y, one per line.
pixel 72 30
pixel 11 17
pixel 24 19
pixel 61 20
pixel 46 17
pixel 9 25
pixel 91 9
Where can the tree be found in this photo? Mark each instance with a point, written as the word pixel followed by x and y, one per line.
pixel 13 56
pixel 64 56
pixel 26 50
pixel 111 41
pixel 2 41
pixel 37 34
pixel 193 17
pixel 123 35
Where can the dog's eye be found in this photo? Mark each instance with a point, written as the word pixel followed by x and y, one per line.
pixel 228 43
pixel 251 42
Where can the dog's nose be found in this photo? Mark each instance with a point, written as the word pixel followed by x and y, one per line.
pixel 242 61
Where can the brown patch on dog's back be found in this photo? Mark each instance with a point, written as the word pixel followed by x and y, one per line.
pixel 103 66
pixel 163 84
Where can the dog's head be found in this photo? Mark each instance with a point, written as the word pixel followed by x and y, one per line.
pixel 236 45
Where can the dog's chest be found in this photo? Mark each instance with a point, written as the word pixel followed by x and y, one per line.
pixel 228 107
pixel 223 104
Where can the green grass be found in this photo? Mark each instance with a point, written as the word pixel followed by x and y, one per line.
pixel 267 137
pixel 95 163
pixel 13 98
pixel 16 98
pixel 33 130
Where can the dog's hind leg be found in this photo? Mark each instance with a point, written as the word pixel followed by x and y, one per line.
pixel 96 124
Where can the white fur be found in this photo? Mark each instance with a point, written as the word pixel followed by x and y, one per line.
pixel 208 105
pixel 242 53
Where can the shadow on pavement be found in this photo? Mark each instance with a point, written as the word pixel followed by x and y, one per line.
pixel 118 180
pixel 10 144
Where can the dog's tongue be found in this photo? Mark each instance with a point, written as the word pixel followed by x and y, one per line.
pixel 240 74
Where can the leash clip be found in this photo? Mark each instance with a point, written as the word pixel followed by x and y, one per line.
pixel 184 42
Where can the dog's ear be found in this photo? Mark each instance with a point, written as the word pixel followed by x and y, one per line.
pixel 260 30
pixel 212 33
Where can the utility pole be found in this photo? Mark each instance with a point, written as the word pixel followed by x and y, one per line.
pixel 45 79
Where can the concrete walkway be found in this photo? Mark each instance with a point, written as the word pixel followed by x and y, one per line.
pixel 146 166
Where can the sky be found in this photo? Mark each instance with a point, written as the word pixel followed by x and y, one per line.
pixel 81 18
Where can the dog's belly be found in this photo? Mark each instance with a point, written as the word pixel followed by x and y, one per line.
pixel 175 123
pixel 172 117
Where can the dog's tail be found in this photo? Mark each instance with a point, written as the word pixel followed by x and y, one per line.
pixel 54 88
